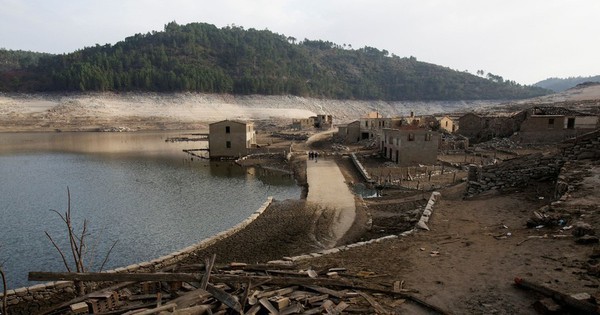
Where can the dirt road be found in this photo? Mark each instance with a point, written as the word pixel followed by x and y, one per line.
pixel 327 188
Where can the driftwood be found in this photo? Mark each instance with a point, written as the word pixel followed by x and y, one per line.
pixel 581 306
pixel 84 297
pixel 315 284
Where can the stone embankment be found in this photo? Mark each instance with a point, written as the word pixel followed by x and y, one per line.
pixel 31 300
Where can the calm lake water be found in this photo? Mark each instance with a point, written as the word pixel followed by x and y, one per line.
pixel 133 188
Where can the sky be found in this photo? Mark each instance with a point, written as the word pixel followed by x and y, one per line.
pixel 521 40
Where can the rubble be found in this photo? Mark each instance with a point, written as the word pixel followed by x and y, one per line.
pixel 236 288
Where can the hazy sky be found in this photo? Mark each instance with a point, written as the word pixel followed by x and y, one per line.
pixel 521 40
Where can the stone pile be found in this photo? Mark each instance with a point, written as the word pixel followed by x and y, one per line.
pixel 513 173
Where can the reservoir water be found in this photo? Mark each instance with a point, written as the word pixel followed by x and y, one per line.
pixel 133 188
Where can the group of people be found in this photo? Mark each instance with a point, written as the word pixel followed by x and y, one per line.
pixel 313 155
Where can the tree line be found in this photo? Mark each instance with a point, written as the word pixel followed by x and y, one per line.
pixel 200 57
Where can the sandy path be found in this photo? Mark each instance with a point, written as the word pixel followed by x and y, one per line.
pixel 327 188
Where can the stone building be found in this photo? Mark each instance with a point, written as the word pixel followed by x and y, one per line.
pixel 548 124
pixel 230 139
pixel 319 121
pixel 410 146
pixel 480 128
pixel 448 124
pixel 349 133
pixel 303 123
pixel 372 124
pixel 323 121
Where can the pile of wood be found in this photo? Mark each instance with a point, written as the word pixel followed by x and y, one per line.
pixel 236 289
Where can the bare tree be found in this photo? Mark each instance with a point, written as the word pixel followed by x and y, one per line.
pixel 77 243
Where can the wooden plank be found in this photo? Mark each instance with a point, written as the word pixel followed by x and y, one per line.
pixel 378 307
pixel 318 298
pixel 338 294
pixel 329 307
pixel 188 299
pixel 209 266
pixel 84 297
pixel 283 291
pixel 294 308
pixel 186 277
pixel 265 302
pixel 582 306
pixel 253 310
pixel 116 277
pixel 224 298
pixel 167 307
pixel 279 301
pixel 341 307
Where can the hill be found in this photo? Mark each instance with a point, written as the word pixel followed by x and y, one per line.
pixel 200 57
pixel 559 85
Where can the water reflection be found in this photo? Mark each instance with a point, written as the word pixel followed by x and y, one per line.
pixel 134 187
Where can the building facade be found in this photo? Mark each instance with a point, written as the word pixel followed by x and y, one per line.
pixel 230 139
pixel 410 146
pixel 448 124
pixel 349 133
pixel 554 124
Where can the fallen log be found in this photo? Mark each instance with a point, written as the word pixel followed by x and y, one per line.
pixel 565 299
pixel 113 277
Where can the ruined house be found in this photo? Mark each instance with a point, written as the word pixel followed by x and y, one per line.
pixel 230 138
pixel 448 124
pixel 548 124
pixel 480 128
pixel 323 121
pixel 410 145
pixel 303 123
pixel 349 133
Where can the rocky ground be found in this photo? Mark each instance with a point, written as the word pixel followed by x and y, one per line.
pixel 466 263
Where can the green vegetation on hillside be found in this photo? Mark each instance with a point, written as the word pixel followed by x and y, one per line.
pixel 559 85
pixel 200 57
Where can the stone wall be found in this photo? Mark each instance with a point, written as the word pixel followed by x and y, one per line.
pixel 32 300
pixel 584 147
pixel 521 171
pixel 516 172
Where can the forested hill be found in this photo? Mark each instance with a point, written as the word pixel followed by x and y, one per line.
pixel 559 85
pixel 200 57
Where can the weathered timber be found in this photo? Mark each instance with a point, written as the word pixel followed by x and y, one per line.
pixel 265 302
pixel 219 294
pixel 209 263
pixel 190 298
pixel 378 307
pixel 139 297
pixel 225 298
pixel 84 297
pixel 166 307
pixel 581 306
pixel 113 277
pixel 192 310
pixel 337 294
pixel 294 308
pixel 287 281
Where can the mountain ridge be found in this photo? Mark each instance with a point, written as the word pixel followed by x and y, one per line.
pixel 200 57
